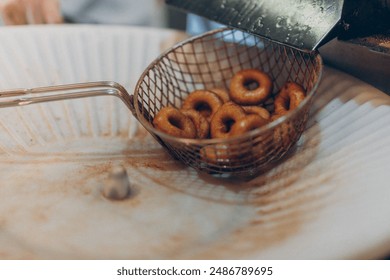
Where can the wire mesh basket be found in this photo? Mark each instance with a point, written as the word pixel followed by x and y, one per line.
pixel 210 61
pixel 207 61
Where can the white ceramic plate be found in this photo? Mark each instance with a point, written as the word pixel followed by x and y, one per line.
pixel 328 200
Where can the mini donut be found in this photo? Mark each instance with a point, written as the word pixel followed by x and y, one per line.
pixel 222 93
pixel 262 112
pixel 246 124
pixel 241 91
pixel 227 115
pixel 223 155
pixel 205 102
pixel 202 126
pixel 283 133
pixel 218 153
pixel 289 97
pixel 173 122
pixel 275 116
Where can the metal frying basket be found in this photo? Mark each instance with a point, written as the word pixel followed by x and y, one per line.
pixel 209 61
pixel 206 61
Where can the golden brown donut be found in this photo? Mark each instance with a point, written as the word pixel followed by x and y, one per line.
pixel 246 124
pixel 241 91
pixel 257 110
pixel 221 123
pixel 202 126
pixel 283 133
pixel 205 102
pixel 289 97
pixel 275 116
pixel 217 153
pixel 173 122
pixel 222 93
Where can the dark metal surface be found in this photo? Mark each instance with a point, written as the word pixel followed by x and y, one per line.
pixel 362 27
pixel 304 24
pixel 367 58
pixel 362 18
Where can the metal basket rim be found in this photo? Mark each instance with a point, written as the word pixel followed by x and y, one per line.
pixel 222 141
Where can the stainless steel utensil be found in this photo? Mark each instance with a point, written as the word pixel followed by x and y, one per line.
pixel 304 24
pixel 206 61
pixel 362 28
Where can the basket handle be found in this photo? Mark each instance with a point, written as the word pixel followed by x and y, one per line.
pixel 23 97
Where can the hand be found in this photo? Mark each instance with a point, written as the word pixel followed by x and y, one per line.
pixel 16 12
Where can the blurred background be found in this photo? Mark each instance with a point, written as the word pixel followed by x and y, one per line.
pixel 152 13
pixel 358 58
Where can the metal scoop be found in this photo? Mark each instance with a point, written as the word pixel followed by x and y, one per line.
pixel 303 24
pixel 206 61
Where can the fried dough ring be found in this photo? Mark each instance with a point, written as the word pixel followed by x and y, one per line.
pixel 205 102
pixel 173 122
pixel 242 95
pixel 202 126
pixel 222 93
pixel 221 123
pixel 289 98
pixel 262 112
pixel 215 154
pixel 246 124
pixel 283 133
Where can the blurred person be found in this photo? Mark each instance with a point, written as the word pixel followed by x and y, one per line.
pixel 129 12
pixel 123 12
pixel 18 12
